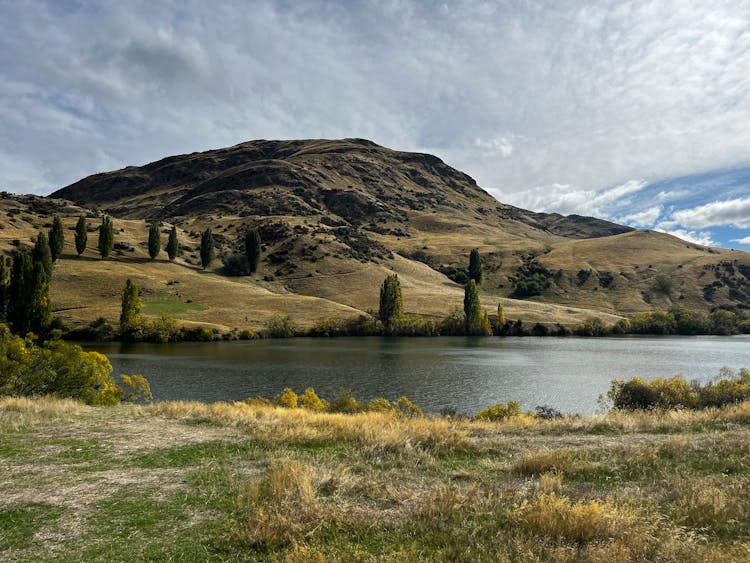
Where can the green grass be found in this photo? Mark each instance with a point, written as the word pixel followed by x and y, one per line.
pixel 19 524
pixel 170 305
pixel 195 455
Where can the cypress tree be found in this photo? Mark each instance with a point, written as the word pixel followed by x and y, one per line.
pixel 130 313
pixel 472 308
pixel 106 236
pixel 475 266
pixel 173 245
pixel 21 292
pixel 56 238
pixel 252 249
pixel 207 248
pixel 82 234
pixel 43 253
pixel 154 240
pixel 40 314
pixel 4 287
pixel 391 304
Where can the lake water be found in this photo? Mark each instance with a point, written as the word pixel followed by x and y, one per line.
pixel 467 374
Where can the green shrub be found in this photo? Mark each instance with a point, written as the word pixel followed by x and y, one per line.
pixel 57 368
pixel 345 402
pixel 530 279
pixel 499 412
pixel 414 325
pixel 247 334
pixel 280 327
pixel 163 329
pixel 676 393
pixel 592 326
pixel 453 324
pixel 405 407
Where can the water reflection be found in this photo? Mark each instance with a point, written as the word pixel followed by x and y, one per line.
pixel 467 374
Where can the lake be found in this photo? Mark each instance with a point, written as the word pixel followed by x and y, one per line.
pixel 464 373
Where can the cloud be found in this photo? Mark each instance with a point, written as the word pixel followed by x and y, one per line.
pixel 733 212
pixel 745 240
pixel 570 96
pixel 566 199
pixel 703 238
pixel 644 218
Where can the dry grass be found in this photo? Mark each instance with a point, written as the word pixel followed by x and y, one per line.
pixel 264 483
pixel 17 412
pixel 280 508
pixel 380 431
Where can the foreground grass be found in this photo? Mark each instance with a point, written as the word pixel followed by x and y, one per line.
pixel 196 482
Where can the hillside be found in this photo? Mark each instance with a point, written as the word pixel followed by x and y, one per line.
pixel 335 217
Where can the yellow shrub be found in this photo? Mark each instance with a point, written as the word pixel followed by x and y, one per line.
pixel 287 399
pixel 310 400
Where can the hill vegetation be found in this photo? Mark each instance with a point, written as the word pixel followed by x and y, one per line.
pixel 327 221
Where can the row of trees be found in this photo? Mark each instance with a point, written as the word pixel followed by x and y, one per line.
pixel 391 313
pixel 106 240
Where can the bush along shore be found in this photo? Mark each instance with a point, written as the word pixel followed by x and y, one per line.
pixel 296 478
pixel 392 321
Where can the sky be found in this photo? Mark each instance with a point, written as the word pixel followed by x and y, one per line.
pixel 636 112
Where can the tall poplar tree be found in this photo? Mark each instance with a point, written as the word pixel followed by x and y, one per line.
pixel 154 240
pixel 472 308
pixel 56 238
pixel 391 303
pixel 252 250
pixel 4 287
pixel 475 266
pixel 106 236
pixel 40 305
pixel 207 248
pixel 130 313
pixel 82 234
pixel 500 318
pixel 173 245
pixel 43 253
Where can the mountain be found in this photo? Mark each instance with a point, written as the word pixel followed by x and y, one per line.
pixel 336 216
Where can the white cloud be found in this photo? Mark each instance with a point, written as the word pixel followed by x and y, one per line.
pixel 745 240
pixel 704 237
pixel 568 95
pixel 566 199
pixel 733 212
pixel 645 218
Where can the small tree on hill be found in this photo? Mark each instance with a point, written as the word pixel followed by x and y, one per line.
pixel 207 248
pixel 130 313
pixel 252 250
pixel 106 236
pixel 475 266
pixel 391 304
pixel 82 234
pixel 472 308
pixel 43 254
pixel 173 245
pixel 154 240
pixel 56 238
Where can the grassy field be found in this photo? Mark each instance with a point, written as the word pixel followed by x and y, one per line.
pixel 228 482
